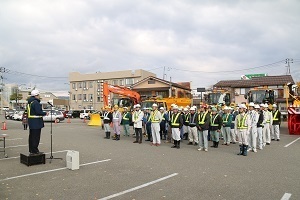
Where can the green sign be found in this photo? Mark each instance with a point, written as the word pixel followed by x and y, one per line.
pixel 250 76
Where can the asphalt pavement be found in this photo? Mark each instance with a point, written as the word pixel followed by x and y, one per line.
pixel 123 170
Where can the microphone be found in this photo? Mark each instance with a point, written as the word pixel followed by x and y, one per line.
pixel 50 104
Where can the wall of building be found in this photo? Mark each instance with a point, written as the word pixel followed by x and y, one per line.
pixel 86 91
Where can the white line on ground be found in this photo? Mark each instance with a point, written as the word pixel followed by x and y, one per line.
pixel 52 170
pixel 292 142
pixel 286 196
pixel 19 156
pixel 23 145
pixel 14 139
pixel 138 187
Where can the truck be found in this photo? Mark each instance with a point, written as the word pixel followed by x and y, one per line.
pixel 218 97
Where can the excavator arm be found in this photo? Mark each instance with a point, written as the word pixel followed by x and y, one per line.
pixel 107 89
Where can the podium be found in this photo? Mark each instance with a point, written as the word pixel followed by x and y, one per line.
pixel 72 160
pixel 34 159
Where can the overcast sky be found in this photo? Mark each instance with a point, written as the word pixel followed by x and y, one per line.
pixel 196 40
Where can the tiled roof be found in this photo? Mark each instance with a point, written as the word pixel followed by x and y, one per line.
pixel 257 82
pixel 163 81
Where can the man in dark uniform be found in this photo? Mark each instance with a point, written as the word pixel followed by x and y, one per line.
pixel 107 120
pixel 35 121
pixel 215 127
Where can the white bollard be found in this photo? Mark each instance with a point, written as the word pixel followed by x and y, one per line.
pixel 72 159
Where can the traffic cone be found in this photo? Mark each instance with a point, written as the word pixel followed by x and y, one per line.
pixel 4 126
pixel 69 120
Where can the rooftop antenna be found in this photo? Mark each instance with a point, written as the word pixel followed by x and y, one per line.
pixel 288 68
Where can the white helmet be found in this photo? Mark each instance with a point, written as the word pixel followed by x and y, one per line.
pixel 185 109
pixel 192 109
pixel 256 106
pixel 154 105
pixel 251 104
pixel 35 93
pixel 175 107
pixel 266 105
pixel 226 108
pixel 262 105
pixel 137 105
pixel 274 105
pixel 243 106
pixel 161 108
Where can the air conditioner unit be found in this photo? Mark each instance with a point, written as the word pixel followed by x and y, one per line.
pixel 98 81
pixel 98 90
pixel 84 88
pixel 76 89
pixel 91 100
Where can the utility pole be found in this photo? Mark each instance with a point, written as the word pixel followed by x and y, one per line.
pixel 288 68
pixel 164 73
pixel 2 70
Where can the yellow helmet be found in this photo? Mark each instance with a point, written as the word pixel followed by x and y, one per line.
pixel 116 106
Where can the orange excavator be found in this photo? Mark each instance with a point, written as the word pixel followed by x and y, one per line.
pixel 129 97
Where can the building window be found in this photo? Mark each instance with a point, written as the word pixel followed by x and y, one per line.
pixel 73 97
pixel 79 97
pixel 244 91
pixel 73 85
pixel 98 86
pixel 129 81
pixel 90 96
pixel 84 84
pixel 84 97
pixel 98 99
pixel 151 82
pixel 121 82
pixel 79 85
pixel 91 84
pixel 47 96
pixel 115 82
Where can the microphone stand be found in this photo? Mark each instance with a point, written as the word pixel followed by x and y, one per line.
pixel 51 156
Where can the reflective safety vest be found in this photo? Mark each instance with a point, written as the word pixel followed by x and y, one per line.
pixel 187 117
pixel 268 114
pixel 201 117
pixel 136 114
pixel 29 114
pixel 174 121
pixel 226 119
pixel 152 118
pixel 275 118
pixel 241 122
pixel 212 120
pixel 125 116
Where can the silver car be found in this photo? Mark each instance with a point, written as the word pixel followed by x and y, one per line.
pixel 57 116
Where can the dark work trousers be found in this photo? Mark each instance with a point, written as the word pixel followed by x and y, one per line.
pixel 149 131
pixel 163 130
pixel 25 126
pixel 34 140
pixel 138 134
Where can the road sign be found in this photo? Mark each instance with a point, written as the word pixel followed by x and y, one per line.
pixel 250 76
pixel 200 89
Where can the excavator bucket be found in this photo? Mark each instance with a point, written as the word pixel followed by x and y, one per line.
pixel 95 120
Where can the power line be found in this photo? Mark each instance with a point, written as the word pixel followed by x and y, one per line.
pixel 8 71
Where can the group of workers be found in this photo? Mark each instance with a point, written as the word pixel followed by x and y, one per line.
pixel 252 127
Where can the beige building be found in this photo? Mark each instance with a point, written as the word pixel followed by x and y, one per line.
pixel 86 91
pixel 156 87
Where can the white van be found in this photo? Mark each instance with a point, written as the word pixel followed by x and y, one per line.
pixel 84 114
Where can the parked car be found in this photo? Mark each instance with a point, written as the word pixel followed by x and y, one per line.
pixel 73 113
pixel 85 114
pixel 18 115
pixel 65 113
pixel 9 114
pixel 57 116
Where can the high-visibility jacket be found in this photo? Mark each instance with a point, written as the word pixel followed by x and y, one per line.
pixel 35 113
pixel 176 120
pixel 204 120
pixel 155 117
pixel 215 122
pixel 276 117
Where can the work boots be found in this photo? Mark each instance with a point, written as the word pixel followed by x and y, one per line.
pixel 241 150
pixel 107 135
pixel 175 144
pixel 245 147
pixel 178 144
pixel 115 137
pixel 214 144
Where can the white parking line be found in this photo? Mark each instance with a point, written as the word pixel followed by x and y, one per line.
pixel 14 139
pixel 292 142
pixel 52 170
pixel 286 196
pixel 23 145
pixel 138 187
pixel 19 156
